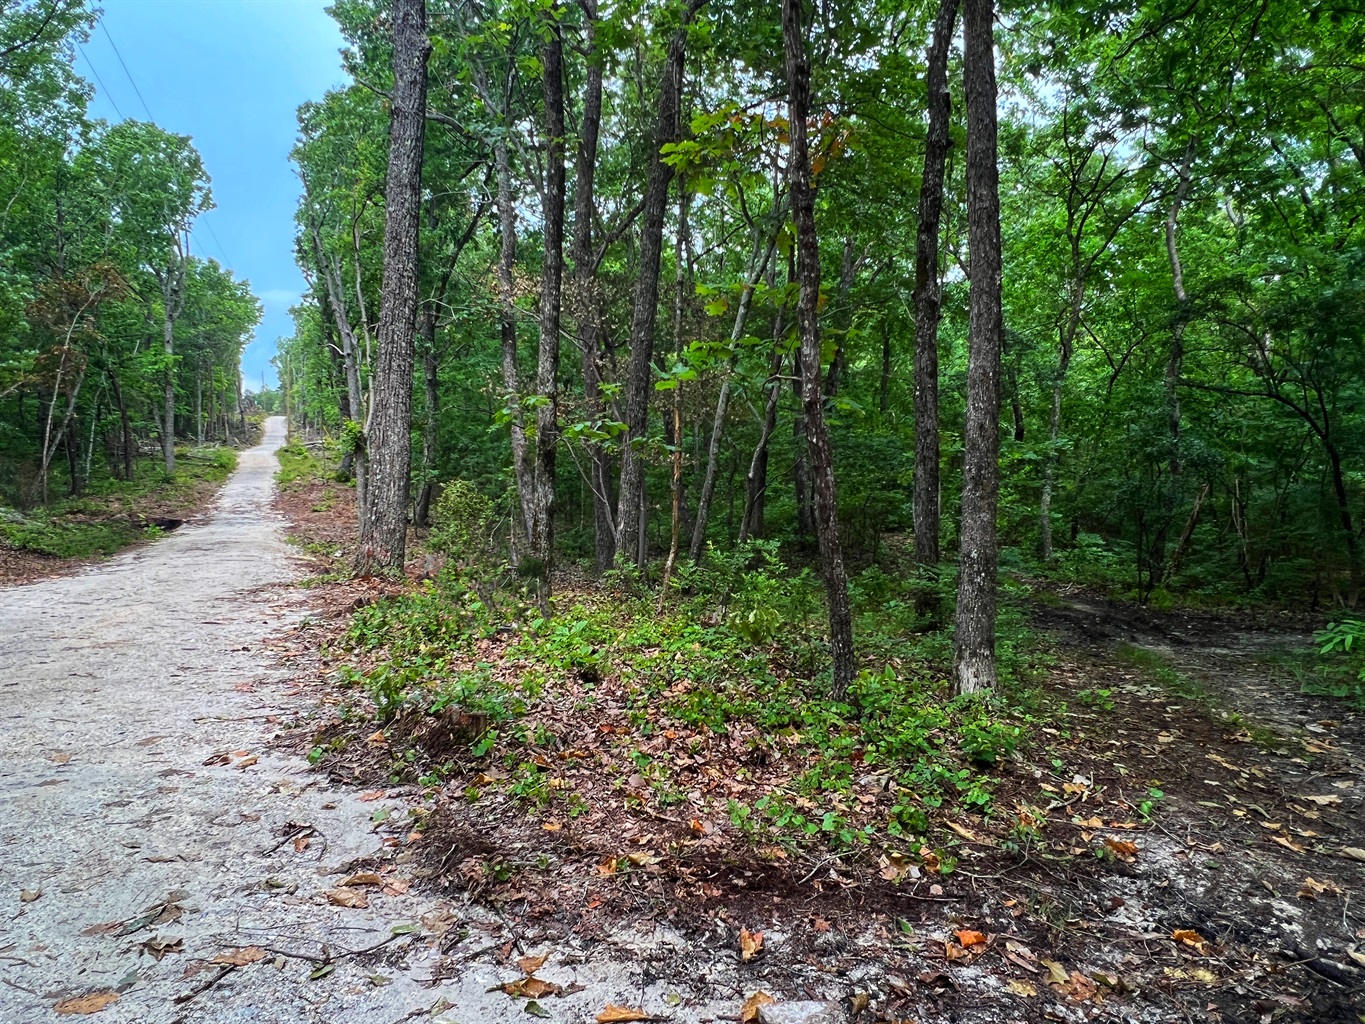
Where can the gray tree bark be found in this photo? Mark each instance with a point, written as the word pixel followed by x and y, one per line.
pixel 974 644
pixel 384 524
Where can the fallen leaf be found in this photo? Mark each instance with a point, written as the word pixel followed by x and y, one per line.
pixel 102 929
pixel 372 795
pixel 157 947
pixel 970 938
pixel 29 895
pixel 322 972
pixel 92 1002
pixel 1357 956
pixel 1289 844
pixel 1190 937
pixel 1330 800
pixel 750 944
pixel 552 826
pixel 614 1013
pixel 343 897
pixel 1021 988
pixel 240 957
pixel 1056 973
pixel 301 844
pixel 246 762
pixel 376 739
pixel 529 988
pixel 1353 852
pixel 65 758
pixel 748 1013
pixel 363 878
pixel 536 1010
pixel 1312 888
pixel 531 964
pixel 1122 848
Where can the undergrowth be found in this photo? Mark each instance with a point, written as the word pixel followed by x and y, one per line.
pixel 104 519
pixel 712 703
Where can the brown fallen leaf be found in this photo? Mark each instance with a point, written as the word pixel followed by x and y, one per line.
pixel 1329 800
pixel 970 938
pixel 372 795
pixel 246 762
pixel 91 1002
pixel 101 929
pixel 530 988
pixel 1289 844
pixel 364 878
pixel 1121 848
pixel 344 897
pixel 29 895
pixel 217 759
pixel 748 1013
pixel 1021 988
pixel 301 844
pixel 531 964
pixel 240 957
pixel 750 944
pixel 65 758
pixel 1312 888
pixel 377 739
pixel 614 1014
pixel 1190 937
pixel 157 948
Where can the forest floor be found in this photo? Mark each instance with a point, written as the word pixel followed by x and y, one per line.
pixel 1183 842
pixel 110 516
pixel 175 858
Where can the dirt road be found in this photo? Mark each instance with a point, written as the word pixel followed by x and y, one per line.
pixel 147 830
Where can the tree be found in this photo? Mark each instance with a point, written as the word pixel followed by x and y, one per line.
pixel 384 520
pixel 974 641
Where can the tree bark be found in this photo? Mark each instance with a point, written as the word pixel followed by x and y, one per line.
pixel 586 311
pixel 974 644
pixel 541 540
pixel 431 404
pixel 646 303
pixel 808 329
pixel 928 299
pixel 384 525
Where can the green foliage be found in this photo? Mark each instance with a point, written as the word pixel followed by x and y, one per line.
pixel 463 523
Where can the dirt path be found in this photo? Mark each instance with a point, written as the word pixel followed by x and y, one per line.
pixel 141 804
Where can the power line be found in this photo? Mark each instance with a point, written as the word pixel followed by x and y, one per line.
pixel 100 81
pixel 222 250
pixel 107 36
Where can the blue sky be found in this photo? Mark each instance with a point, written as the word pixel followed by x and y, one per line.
pixel 229 73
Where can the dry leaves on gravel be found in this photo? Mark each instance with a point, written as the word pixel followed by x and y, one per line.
pixel 750 944
pixel 748 1013
pixel 91 1002
pixel 240 957
pixel 614 1014
pixel 346 897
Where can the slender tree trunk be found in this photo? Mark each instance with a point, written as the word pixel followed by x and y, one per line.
pixel 586 307
pixel 676 430
pixel 928 299
pixel 974 644
pixel 522 467
pixel 757 268
pixel 541 539
pixel 808 329
pixel 1065 350
pixel 431 405
pixel 168 393
pixel 125 426
pixel 756 482
pixel 354 410
pixel 646 304
pixel 199 402
pixel 383 531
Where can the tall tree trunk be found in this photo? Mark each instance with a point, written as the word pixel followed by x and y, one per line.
pixel 431 403
pixel 808 329
pixel 199 401
pixel 354 411
pixel 928 299
pixel 757 267
pixel 974 645
pixel 168 392
pixel 756 481
pixel 1065 349
pixel 551 302
pixel 645 311
pixel 586 310
pixel 523 469
pixel 675 430
pixel 125 426
pixel 383 531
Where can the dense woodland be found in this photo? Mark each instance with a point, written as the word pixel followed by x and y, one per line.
pixel 691 275
pixel 117 338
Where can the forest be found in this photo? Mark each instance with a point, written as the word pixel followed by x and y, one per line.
pixel 118 340
pixel 822 511
pixel 695 277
